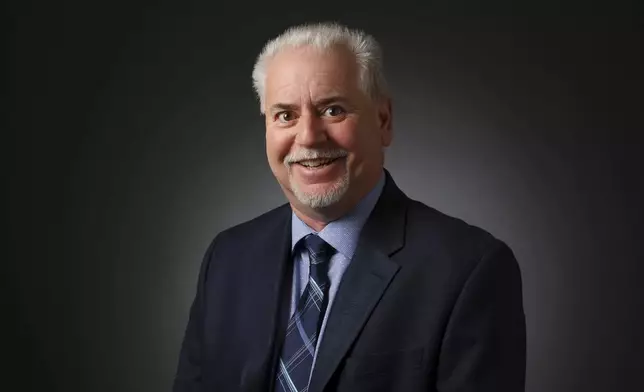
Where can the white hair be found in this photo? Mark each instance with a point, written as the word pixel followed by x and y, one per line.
pixel 323 36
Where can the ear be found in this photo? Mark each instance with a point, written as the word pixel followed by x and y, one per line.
pixel 385 118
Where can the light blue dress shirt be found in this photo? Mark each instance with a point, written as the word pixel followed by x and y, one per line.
pixel 342 234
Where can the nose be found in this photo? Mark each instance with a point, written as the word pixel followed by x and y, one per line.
pixel 311 130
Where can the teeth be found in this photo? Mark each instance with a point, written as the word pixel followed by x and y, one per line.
pixel 316 162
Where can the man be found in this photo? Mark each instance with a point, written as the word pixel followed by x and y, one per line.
pixel 351 286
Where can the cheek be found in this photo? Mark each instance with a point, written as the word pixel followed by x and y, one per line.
pixel 277 146
pixel 347 135
pixel 357 139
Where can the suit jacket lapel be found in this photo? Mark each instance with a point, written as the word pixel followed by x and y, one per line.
pixel 271 283
pixel 364 282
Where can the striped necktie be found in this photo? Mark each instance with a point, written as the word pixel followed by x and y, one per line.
pixel 304 326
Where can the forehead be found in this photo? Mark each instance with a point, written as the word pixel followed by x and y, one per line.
pixel 296 73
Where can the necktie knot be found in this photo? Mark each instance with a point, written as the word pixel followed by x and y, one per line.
pixel 320 253
pixel 319 250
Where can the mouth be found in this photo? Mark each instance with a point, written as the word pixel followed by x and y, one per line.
pixel 316 163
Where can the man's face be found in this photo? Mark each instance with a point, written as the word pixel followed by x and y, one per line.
pixel 324 136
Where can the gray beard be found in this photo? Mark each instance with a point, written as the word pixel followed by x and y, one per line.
pixel 321 199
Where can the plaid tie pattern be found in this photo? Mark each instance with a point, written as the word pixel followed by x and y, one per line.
pixel 301 335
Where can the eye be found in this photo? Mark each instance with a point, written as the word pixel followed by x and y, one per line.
pixel 285 116
pixel 334 111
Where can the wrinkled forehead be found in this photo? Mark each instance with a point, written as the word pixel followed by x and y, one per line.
pixel 296 73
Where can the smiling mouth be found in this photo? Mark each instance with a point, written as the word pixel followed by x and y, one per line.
pixel 317 163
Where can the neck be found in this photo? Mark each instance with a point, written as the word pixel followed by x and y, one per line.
pixel 317 223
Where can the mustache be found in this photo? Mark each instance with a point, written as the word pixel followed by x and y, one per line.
pixel 307 154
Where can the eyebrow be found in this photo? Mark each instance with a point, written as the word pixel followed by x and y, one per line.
pixel 331 99
pixel 320 102
pixel 282 106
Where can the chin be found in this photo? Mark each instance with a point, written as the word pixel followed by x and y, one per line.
pixel 323 197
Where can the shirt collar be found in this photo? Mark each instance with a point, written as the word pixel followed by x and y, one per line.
pixel 342 234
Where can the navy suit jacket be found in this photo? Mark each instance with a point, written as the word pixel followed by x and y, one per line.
pixel 428 303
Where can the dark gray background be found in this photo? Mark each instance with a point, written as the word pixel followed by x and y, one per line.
pixel 134 137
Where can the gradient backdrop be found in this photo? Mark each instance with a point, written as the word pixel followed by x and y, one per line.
pixel 135 137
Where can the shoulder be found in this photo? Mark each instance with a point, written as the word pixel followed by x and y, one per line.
pixel 428 231
pixel 423 219
pixel 229 246
pixel 447 239
pixel 257 227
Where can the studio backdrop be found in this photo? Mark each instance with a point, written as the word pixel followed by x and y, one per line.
pixel 135 137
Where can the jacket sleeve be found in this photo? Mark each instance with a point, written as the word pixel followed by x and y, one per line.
pixel 484 346
pixel 189 371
